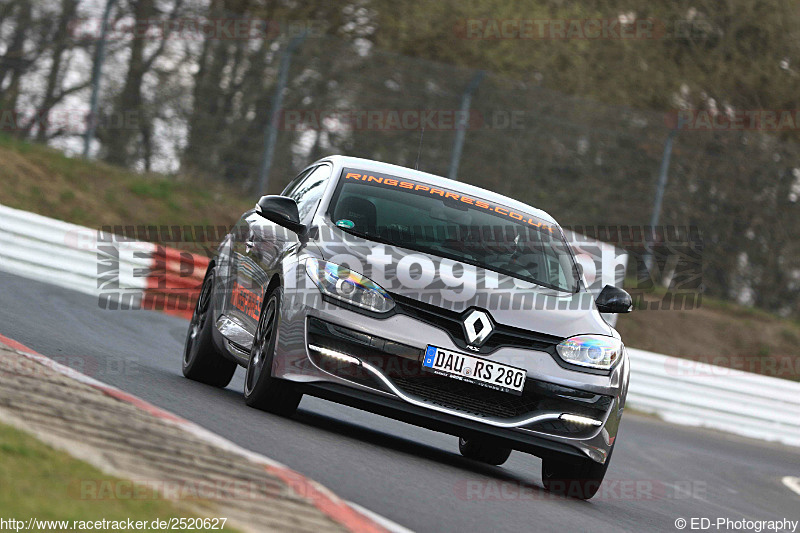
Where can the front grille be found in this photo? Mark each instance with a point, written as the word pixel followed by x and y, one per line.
pixel 537 396
pixel 452 322
pixel 466 397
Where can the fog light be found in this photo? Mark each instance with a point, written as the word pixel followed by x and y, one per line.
pixel 583 420
pixel 333 354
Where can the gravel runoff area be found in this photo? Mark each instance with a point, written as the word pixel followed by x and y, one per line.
pixel 130 439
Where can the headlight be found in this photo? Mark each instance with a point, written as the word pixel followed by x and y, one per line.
pixel 340 282
pixel 595 351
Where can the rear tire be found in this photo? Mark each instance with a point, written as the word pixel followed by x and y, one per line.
pixel 261 389
pixel 573 477
pixel 483 451
pixel 201 360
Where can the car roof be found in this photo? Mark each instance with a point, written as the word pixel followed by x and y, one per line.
pixel 433 179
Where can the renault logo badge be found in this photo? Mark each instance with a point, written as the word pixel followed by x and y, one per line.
pixel 477 327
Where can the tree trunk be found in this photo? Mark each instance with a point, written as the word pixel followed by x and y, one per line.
pixel 60 45
pixel 13 63
pixel 129 103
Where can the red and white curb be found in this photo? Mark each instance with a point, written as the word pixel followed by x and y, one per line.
pixel 350 515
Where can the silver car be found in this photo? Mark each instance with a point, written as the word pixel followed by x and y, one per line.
pixel 422 299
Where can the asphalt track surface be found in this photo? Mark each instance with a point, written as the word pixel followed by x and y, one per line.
pixel 414 477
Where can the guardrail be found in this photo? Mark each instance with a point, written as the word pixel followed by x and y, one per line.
pixel 120 272
pixel 163 278
pixel 698 394
pixel 68 255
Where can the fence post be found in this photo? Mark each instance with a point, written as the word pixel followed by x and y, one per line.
pixel 97 67
pixel 271 129
pixel 663 174
pixel 463 122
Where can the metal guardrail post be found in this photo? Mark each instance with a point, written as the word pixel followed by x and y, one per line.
pixel 463 123
pixel 663 175
pixel 271 129
pixel 97 67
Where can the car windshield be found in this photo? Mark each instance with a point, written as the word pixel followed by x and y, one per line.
pixel 449 224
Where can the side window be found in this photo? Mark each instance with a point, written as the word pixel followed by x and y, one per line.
pixel 309 190
pixel 296 181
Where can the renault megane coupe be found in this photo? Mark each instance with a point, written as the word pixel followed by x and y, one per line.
pixel 422 299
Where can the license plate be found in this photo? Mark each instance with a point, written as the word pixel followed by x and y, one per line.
pixel 475 370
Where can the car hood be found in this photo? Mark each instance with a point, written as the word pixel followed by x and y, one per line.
pixel 457 286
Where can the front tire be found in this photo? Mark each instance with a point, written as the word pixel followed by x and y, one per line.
pixel 201 360
pixel 573 477
pixel 261 389
pixel 483 451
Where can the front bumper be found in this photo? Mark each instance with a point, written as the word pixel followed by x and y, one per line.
pixel 375 364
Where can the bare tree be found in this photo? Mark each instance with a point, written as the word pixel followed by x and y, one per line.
pixel 61 42
pixel 14 62
pixel 121 145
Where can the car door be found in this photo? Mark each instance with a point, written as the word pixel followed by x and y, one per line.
pixel 263 244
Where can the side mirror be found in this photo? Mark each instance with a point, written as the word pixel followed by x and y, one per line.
pixel 614 300
pixel 281 210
